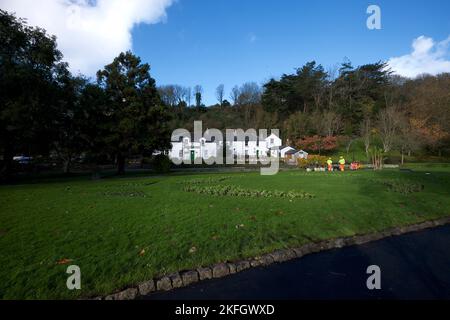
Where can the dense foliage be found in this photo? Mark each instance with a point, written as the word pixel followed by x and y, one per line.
pixel 47 112
pixel 53 116
pixel 322 111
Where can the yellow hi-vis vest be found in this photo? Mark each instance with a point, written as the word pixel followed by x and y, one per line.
pixel 341 161
pixel 329 162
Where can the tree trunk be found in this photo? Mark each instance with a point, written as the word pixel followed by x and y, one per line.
pixel 403 157
pixel 66 166
pixel 6 169
pixel 95 175
pixel 349 145
pixel 120 163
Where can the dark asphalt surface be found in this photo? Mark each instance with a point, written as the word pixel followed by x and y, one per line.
pixel 413 266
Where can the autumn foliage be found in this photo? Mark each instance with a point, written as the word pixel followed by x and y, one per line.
pixel 312 161
pixel 433 134
pixel 318 143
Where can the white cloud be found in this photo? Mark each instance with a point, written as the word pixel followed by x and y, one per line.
pixel 427 57
pixel 90 33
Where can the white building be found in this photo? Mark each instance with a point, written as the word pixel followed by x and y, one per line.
pixel 301 154
pixel 286 150
pixel 290 154
pixel 188 150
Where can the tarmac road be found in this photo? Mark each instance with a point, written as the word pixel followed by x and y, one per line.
pixel 413 266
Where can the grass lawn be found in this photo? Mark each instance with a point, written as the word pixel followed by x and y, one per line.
pixel 121 231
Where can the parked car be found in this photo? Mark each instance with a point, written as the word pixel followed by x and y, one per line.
pixel 23 159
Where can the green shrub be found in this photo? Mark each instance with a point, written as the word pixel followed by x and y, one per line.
pixel 312 160
pixel 161 163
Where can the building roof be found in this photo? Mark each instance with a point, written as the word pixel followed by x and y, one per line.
pixel 285 147
pixel 273 135
pixel 291 152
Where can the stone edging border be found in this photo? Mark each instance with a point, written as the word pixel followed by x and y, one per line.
pixel 188 277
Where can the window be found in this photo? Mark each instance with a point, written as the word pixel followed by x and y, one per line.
pixel 181 154
pixel 271 140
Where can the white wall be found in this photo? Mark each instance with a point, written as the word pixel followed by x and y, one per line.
pixel 203 149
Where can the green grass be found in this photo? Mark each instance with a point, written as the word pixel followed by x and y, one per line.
pixel 123 231
pixel 357 152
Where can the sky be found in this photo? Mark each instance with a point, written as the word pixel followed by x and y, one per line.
pixel 212 42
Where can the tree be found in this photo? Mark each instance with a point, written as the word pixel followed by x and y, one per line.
pixel 70 118
pixel 174 95
pixel 408 139
pixel 94 125
pixel 220 91
pixel 431 133
pixel 29 63
pixel 167 94
pixel 325 123
pixel 226 103
pixel 377 157
pixel 188 95
pixel 303 91
pixel 389 120
pixel 309 84
pixel 198 90
pixel 296 126
pixel 234 95
pixel 249 94
pixel 361 91
pixel 317 143
pixel 137 115
pixel 365 132
pixel 180 94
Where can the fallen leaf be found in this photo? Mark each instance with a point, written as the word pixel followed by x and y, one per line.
pixel 142 252
pixel 192 250
pixel 64 261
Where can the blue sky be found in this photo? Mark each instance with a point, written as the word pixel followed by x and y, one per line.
pixel 234 41
pixel 209 42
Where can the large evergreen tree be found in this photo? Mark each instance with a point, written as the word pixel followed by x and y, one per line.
pixel 29 64
pixel 137 118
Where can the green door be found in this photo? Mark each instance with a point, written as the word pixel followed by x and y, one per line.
pixel 192 155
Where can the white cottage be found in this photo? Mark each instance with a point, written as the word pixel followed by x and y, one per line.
pixel 286 151
pixel 186 149
pixel 301 154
